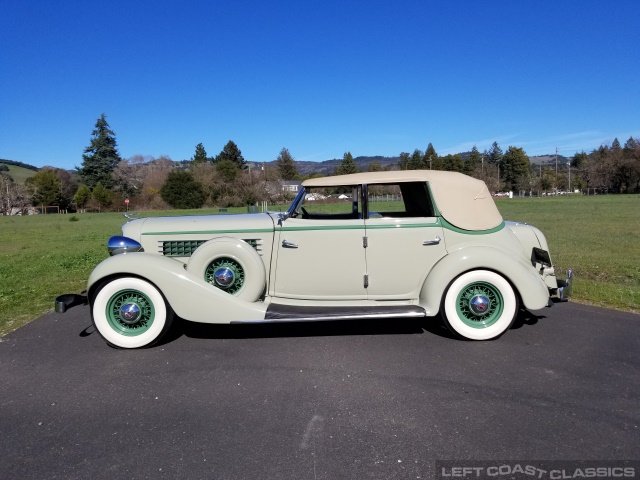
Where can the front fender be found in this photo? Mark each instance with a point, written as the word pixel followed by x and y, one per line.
pixel 189 296
pixel 526 280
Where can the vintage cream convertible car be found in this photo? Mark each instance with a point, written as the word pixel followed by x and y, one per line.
pixel 393 245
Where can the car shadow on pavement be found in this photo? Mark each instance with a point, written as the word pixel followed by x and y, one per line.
pixel 300 329
pixel 525 317
pixel 430 325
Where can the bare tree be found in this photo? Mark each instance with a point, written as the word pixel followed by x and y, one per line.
pixel 156 175
pixel 12 195
pixel 128 176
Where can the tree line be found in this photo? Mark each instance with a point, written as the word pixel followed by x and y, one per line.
pixel 608 169
pixel 104 180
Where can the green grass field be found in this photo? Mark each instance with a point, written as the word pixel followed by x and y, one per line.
pixel 599 237
pixel 19 174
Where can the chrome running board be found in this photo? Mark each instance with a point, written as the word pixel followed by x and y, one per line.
pixel 295 313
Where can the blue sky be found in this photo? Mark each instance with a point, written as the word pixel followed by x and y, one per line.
pixel 317 77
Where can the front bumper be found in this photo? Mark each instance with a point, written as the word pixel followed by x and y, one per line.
pixel 68 300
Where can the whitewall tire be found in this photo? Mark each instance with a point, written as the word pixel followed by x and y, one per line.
pixel 480 305
pixel 131 313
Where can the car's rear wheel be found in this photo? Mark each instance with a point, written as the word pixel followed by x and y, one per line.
pixel 480 305
pixel 131 313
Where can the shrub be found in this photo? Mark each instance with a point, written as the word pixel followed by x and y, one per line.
pixel 182 191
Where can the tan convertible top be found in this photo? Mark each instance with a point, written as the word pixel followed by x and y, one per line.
pixel 463 201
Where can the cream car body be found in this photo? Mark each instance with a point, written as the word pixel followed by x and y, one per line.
pixel 436 245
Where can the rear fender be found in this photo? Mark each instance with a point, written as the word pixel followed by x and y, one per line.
pixel 190 297
pixel 525 279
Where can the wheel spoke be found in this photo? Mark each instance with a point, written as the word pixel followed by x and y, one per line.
pixel 130 312
pixel 225 274
pixel 479 305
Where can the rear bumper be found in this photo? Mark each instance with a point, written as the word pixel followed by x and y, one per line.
pixel 564 287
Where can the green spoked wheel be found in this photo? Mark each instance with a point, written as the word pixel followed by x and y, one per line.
pixel 226 274
pixel 231 265
pixel 130 313
pixel 480 305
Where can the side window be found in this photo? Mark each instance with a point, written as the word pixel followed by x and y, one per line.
pixel 401 200
pixel 331 203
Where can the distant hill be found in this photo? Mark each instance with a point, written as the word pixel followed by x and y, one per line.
pixel 21 171
pixel 17 170
pixel 548 160
pixel 18 164
pixel 328 166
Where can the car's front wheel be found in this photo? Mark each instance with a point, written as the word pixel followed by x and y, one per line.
pixel 480 305
pixel 130 313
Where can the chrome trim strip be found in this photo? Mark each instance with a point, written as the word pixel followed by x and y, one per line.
pixel 341 317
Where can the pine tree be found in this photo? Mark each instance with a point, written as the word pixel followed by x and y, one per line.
pixel 228 170
pixel 200 155
pixel 403 162
pixel 495 154
pixel 615 145
pixel 631 145
pixel 516 168
pixel 452 163
pixel 579 160
pixel 100 157
pixel 232 153
pixel 430 156
pixel 473 161
pixel 347 166
pixel 286 165
pixel 415 162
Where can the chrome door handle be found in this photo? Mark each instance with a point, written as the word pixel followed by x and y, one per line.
pixel 287 244
pixel 435 241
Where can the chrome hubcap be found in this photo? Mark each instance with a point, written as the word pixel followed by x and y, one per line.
pixel 130 313
pixel 224 277
pixel 479 305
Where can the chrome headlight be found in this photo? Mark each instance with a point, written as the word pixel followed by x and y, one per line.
pixel 119 244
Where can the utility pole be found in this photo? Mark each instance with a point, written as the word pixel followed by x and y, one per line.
pixel 482 164
pixel 569 166
pixel 540 189
pixel 556 170
pixel 430 161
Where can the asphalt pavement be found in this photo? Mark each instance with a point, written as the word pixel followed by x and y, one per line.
pixel 333 400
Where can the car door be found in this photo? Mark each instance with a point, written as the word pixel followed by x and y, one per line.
pixel 404 240
pixel 321 256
